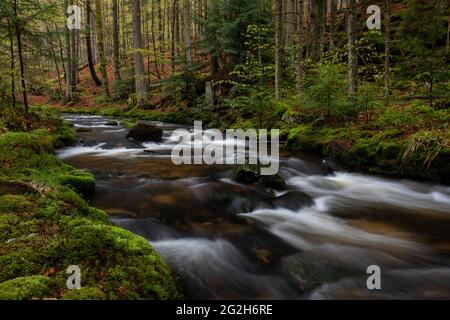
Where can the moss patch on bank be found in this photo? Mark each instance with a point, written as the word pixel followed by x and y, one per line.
pixel 423 155
pixel 46 226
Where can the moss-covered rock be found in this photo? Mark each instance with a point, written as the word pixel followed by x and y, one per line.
pixel 251 174
pixel 82 182
pixel 25 288
pixel 145 132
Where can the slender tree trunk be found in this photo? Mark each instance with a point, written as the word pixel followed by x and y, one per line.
pixel 174 30
pixel 448 35
pixel 61 54
pixel 332 23
pixel 13 63
pixel 352 57
pixel 300 45
pixel 101 44
pixel 21 62
pixel 90 59
pixel 155 50
pixel 316 36
pixel 278 47
pixel 187 31
pixel 55 60
pixel 124 32
pixel 387 50
pixel 68 61
pixel 115 20
pixel 139 69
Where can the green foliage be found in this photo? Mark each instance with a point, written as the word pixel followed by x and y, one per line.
pixel 416 116
pixel 326 94
pixel 229 25
pixel 426 145
pixel 424 56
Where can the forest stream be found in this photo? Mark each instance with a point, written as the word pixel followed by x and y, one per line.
pixel 225 240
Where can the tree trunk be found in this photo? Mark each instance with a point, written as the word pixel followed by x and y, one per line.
pixel 139 69
pixel 316 35
pixel 448 35
pixel 290 22
pixel 13 63
pixel 187 31
pixel 55 60
pixel 68 61
pixel 155 50
pixel 115 20
pixel 21 62
pixel 101 44
pixel 174 34
pixel 300 46
pixel 278 47
pixel 332 25
pixel 91 66
pixel 352 58
pixel 387 49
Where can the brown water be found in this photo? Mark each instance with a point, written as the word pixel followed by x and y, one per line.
pixel 230 241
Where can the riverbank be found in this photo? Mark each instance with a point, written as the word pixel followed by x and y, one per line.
pixel 407 141
pixel 46 225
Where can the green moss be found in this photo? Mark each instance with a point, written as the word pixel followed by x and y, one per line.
pixel 84 294
pixel 82 182
pixel 25 288
pixel 17 264
pixel 13 203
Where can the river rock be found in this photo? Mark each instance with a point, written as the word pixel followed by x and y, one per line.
pixel 329 164
pixel 112 124
pixel 293 200
pixel 145 132
pixel 251 174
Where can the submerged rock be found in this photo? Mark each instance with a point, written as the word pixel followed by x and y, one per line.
pixel 112 123
pixel 83 130
pixel 293 200
pixel 145 132
pixel 251 174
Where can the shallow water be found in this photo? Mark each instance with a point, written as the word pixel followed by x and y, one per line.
pixel 230 241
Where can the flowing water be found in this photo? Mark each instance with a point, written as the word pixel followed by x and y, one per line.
pixel 225 240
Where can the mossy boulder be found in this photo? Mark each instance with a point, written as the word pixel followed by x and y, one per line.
pixel 82 182
pixel 84 294
pixel 132 268
pixel 251 174
pixel 145 132
pixel 25 288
